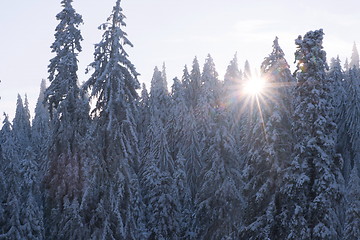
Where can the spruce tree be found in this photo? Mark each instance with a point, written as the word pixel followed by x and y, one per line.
pixel 349 125
pixel 159 98
pixel 219 201
pixel 354 61
pixel 158 186
pixel 143 115
pixel 11 227
pixel 177 118
pixel 313 183
pixel 195 83
pixel 352 221
pixel 64 179
pixel 40 129
pixel 270 146
pixel 113 84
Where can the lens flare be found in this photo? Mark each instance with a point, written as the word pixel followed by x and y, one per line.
pixel 254 86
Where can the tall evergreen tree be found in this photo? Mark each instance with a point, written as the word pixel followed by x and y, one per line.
pixel 143 115
pixel 219 199
pixel 159 195
pixel 312 190
pixel 232 96
pixel 31 198
pixel 195 83
pixel 64 179
pixel 346 65
pixel 40 130
pixel 159 98
pixel 247 70
pixel 113 84
pixel 349 126
pixel 10 219
pixel 209 99
pixel 21 126
pixel 177 118
pixel 192 152
pixel 354 61
pixel 352 223
pixel 182 191
pixel 270 146
pixel 336 76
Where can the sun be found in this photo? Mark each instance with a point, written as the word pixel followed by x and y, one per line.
pixel 254 86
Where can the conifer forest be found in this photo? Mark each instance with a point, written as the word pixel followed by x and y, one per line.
pixel 273 155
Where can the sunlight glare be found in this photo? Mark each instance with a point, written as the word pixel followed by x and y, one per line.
pixel 254 86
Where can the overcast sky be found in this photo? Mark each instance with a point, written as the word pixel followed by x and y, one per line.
pixel 170 31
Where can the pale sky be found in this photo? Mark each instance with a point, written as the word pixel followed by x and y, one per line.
pixel 170 31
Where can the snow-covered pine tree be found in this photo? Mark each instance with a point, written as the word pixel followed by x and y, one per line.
pixel 113 85
pixel 159 98
pixel 192 149
pixel 352 221
pixel 10 218
pixel 349 132
pixel 185 79
pixel 354 60
pixel 247 70
pixel 336 76
pixel 346 65
pixel 40 129
pixel 232 97
pixel 232 80
pixel 183 194
pixel 21 127
pixel 31 197
pixel 143 119
pixel 26 172
pixel 209 100
pixel 65 174
pixel 269 149
pixel 178 112
pixel 164 77
pixel 195 83
pixel 313 185
pixel 158 186
pixel 219 201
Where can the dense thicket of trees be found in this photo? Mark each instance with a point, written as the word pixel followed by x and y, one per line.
pixel 205 160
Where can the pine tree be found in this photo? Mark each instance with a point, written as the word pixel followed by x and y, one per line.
pixel 177 118
pixel 247 70
pixel 312 190
pixel 21 126
pixel 346 65
pixel 232 97
pixel 159 98
pixel 158 186
pixel 184 197
pixel 31 198
pixel 336 76
pixel 270 146
pixel 185 79
pixel 164 77
pixel 232 80
pixel 143 115
pixel 113 84
pixel 209 99
pixel 195 83
pixel 40 129
pixel 10 225
pixel 352 223
pixel 354 61
pixel 64 179
pixel 219 200
pixel 192 152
